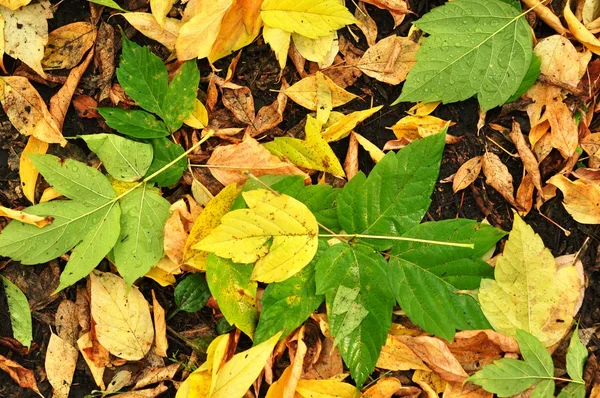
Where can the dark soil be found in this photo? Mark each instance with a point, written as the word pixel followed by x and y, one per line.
pixel 259 70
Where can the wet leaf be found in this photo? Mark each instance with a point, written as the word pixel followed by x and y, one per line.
pixel 390 60
pixel 61 359
pixel 20 314
pixel 165 152
pixel 192 293
pixel 67 45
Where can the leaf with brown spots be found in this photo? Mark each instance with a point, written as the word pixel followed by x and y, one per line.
pixel 498 177
pixel 68 44
pixel 467 174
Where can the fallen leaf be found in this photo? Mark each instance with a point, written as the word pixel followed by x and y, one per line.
pixel 28 173
pixel 86 107
pixel 61 359
pixel 153 375
pixel 198 119
pixel 305 93
pixel 68 44
pixel 342 127
pixel 26 218
pixel 466 390
pixel 498 177
pixel 580 32
pixel 14 4
pixel 201 193
pixel 198 34
pixel 524 196
pixel 527 157
pixel 390 60
pixel 161 276
pixel 328 364
pixel 314 49
pixel 375 153
pixel 366 24
pixel 27 111
pixel 476 348
pixel 24 377
pixel 161 343
pixel 431 383
pixel 85 343
pixel 66 322
pixel 384 388
pixel 270 116
pixel 150 27
pixel 325 389
pixel 241 103
pixel 395 355
pixel 467 174
pixel 160 10
pixel 104 55
pixel 419 123
pixel 146 393
pixel 279 41
pixel 177 228
pixel 285 386
pixel 581 199
pixel 546 15
pixel 534 295
pixel 351 161
pixel 248 155
pixel 398 8
pixel 123 322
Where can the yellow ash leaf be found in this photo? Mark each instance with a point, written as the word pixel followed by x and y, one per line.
pixel 395 355
pixel 581 33
pixel 279 41
pixel 197 36
pixel 27 171
pixel 123 321
pixel 314 49
pixel 305 93
pixel 529 292
pixel 198 119
pixel 423 108
pixel 375 153
pixel 214 357
pixel 581 199
pixel 160 9
pixel 148 26
pixel 238 374
pixel 161 276
pixel 344 124
pixel 245 234
pixel 325 389
pixel 14 4
pixel 61 359
pixel 27 111
pixel 84 343
pixel 312 153
pixel 26 218
pixel 415 127
pixel 67 45
pixel 208 220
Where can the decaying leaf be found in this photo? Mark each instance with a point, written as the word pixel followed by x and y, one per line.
pixel 166 35
pixel 67 45
pixel 161 343
pixel 61 359
pixel 84 343
pixel 396 355
pixel 26 218
pixel 305 93
pixel 389 60
pixel 14 4
pixel 24 377
pixel 398 8
pixel 467 173
pixel 384 388
pixel 529 161
pixel 581 199
pixel 366 24
pixel 498 177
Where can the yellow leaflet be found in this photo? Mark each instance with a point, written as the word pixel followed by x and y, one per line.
pixel 38 221
pixel 341 128
pixel 581 33
pixel 423 108
pixel 27 170
pixel 199 116
pixel 245 236
pixel 49 194
pixel 376 153
pixel 313 153
pixel 395 355
pixel 314 49
pixel 208 220
pixel 529 292
pixel 148 26
pixel 325 389
pixel 415 127
pixel 160 9
pixel 305 92
pixel 161 276
pixel 279 41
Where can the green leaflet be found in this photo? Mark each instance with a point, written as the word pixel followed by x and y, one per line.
pixel 108 3
pixel 192 293
pixel 530 78
pixel 475 47
pixel 179 101
pixel 231 286
pixel 165 152
pixel 124 159
pixel 577 355
pixel 395 196
pixel 20 314
pixel 134 123
pixel 140 244
pixel 355 282
pixel 289 303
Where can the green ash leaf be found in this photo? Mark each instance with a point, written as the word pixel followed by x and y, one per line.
pixel 20 314
pixel 165 152
pixel 180 99
pixel 134 123
pixel 192 293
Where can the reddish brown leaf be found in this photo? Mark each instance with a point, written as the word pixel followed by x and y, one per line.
pixel 24 377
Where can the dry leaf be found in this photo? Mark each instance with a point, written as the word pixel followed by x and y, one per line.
pixel 546 15
pixel 155 375
pixel 431 383
pixel 66 322
pixel 68 44
pixel 86 107
pixel 305 93
pixel 467 174
pixel 178 226
pixel 412 128
pixel 581 199
pixel 147 393
pixel 342 127
pixel 476 348
pixel 325 389
pixel 160 10
pixel 398 8
pixel 198 34
pixel 161 344
pixel 248 155
pixel 375 153
pixel 26 218
pixel 580 32
pixel 466 390
pixel 366 24
pixel 105 58
pixel 324 99
pixel 529 161
pixel 498 177
pixel 285 386
pixel 384 388
pixel 24 377
pixel 14 4
pixel 270 116
pixel 61 359
pixel 351 162
pixel 241 103
pixel 395 355
pixel 85 343
pixel 149 27
pixel 524 197
pixel 389 60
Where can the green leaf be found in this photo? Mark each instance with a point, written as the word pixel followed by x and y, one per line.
pixel 180 99
pixel 124 159
pixel 359 304
pixel 192 293
pixel 395 196
pixel 140 245
pixel 74 179
pixel 134 123
pixel 20 314
pixel 165 152
pixel 573 390
pixel 507 377
pixel 143 76
pixel 530 78
pixel 231 286
pixel 475 47
pixel 108 3
pixel 289 303
pixel 577 355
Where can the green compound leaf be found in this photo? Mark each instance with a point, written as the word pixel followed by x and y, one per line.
pixel 140 245
pixel 180 99
pixel 192 293
pixel 20 314
pixel 395 196
pixel 577 355
pixel 124 159
pixel 134 123
pixel 231 286
pixel 507 377
pixel 355 282
pixel 165 152
pixel 475 47
pixel 289 303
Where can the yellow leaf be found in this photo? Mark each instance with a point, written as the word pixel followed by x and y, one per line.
pixel 123 321
pixel 313 153
pixel 580 31
pixel 304 93
pixel 26 218
pixel 529 292
pixel 2 43
pixel 27 111
pixel 161 276
pixel 198 119
pixel 149 27
pixel 313 18
pixel 245 236
pixel 581 199
pixel 67 45
pixel 237 375
pixel 395 355
pixel 160 9
pixel 27 171
pixel 325 389
pixel 324 99
pixel 429 381
pixel 85 342
pixel 279 40
pixel 314 49
pixel 384 388
pixel 49 194
pixel 61 359
pixel 389 60
pixel 121 187
pixel 423 108
pixel 14 4
pixel 197 36
pixel 415 127
pixel 208 220
pixel 342 127
pixel 467 174
pixel 375 153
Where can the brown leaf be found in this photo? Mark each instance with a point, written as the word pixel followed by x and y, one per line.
pixel 498 177
pixel 525 195
pixel 477 348
pixel 384 388
pixel 436 354
pixel 85 343
pixel 241 103
pixel 529 161
pixel 86 107
pixel 467 174
pixel 390 60
pixel 466 390
pixel 328 364
pixel 161 343
pixel 66 322
pixel 270 116
pixel 398 8
pixel 546 15
pixel 155 375
pixel 24 377
pixel 67 45
pixel 351 162
pixel 248 155
pixel 590 175
pixel 104 58
pixel 366 24
pixel 146 393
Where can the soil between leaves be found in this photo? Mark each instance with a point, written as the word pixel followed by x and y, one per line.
pixel 258 69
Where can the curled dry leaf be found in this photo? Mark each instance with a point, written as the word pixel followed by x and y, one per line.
pixel 270 116
pixel 66 322
pixel 389 60
pixel 68 44
pixel 153 375
pixel 477 348
pixel 178 226
pixel 467 173
pixel 384 388
pixel 104 57
pixel 61 359
pixel 366 24
pixel 248 155
pixel 525 195
pixel 26 218
pixel 431 383
pixel 161 344
pixel 498 177
pixel 149 27
pixel 305 93
pixel 546 15
pixel 351 162
pixel 84 343
pixel 581 199
pixel 398 8
pixel 529 161
pixel 580 32
pixel 24 377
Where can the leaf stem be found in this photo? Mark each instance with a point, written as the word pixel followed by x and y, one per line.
pixel 401 238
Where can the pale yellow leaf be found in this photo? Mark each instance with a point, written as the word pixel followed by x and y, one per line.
pixel 314 49
pixel 161 276
pixel 375 153
pixel 245 236
pixel 304 93
pixel 324 99
pixel 238 374
pixel 66 322
pixel 83 343
pixel 27 171
pixel 395 355
pixel 529 292
pixel 26 218
pixel 311 19
pixel 389 60
pixel 200 193
pixel 423 108
pixel 208 220
pixel 67 45
pixel 581 33
pixel 279 41
pixel 198 119
pixel 123 321
pixel 581 199
pixel 325 389
pixel 160 328
pixel 467 174
pixel 61 359
pixel 197 36
pixel 149 27
pixel 415 127
pixel 14 4
pixel 160 10
pixel 49 194
pixel 345 123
